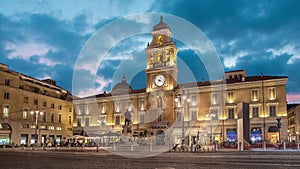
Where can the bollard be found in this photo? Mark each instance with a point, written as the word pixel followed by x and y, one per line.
pixel 44 147
pixel 82 147
pixel 69 146
pixel 264 145
pixel 97 150
pixel 56 146
pixel 131 147
pixel 114 146
pixel 284 145
pixel 3 147
pixel 23 147
pixel 150 147
pixel 216 148
pixel 298 146
pixel 170 148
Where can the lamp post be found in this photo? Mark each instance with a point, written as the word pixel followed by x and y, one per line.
pixel 211 115
pixel 181 101
pixel 36 113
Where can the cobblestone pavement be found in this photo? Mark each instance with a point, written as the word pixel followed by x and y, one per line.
pixel 18 159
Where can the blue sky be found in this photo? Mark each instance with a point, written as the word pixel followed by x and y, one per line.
pixel 44 38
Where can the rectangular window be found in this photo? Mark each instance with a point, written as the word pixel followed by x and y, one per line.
pixel 142 105
pixel 117 122
pixel 230 113
pixel 230 96
pixel 142 118
pixel 194 100
pixel 194 116
pixel 214 114
pixel 52 105
pixel 44 103
pixel 255 112
pixel 44 116
pixel 103 108
pixel 6 95
pixel 87 121
pixel 102 120
pixel 5 110
pixel 78 121
pixel 129 106
pixel 7 82
pixel 25 99
pixel 272 93
pixel 25 113
pixel 254 95
pixel 52 117
pixel 117 106
pixel 272 110
pixel 70 109
pixel 36 102
pixel 178 115
pixel 214 98
pixel 159 118
pixel 159 102
pixel 59 107
pixel 59 118
pixel 50 127
pixel 70 119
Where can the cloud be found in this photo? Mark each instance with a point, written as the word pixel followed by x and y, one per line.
pixel 101 84
pixel 26 50
pixel 231 61
pixel 288 49
pixel 293 98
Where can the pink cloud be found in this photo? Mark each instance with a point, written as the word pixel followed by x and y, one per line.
pixel 293 98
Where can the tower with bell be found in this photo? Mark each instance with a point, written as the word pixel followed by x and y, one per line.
pixel 161 68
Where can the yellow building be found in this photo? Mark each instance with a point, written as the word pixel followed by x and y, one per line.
pixel 293 122
pixel 209 108
pixel 33 110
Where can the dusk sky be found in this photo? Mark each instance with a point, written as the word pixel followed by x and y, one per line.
pixel 44 38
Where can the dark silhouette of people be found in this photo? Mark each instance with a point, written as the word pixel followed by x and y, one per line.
pixel 127 118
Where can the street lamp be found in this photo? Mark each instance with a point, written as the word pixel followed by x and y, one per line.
pixel 36 113
pixel 182 100
pixel 211 115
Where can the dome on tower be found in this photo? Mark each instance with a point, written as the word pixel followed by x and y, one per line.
pixel 161 25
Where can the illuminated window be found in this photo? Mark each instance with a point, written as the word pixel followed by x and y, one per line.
pixel 254 95
pixel 117 106
pixel 25 113
pixel 50 127
pixel 272 110
pixel 58 128
pixel 255 111
pixel 142 105
pixel 5 110
pixel 230 98
pixel 214 98
pixel 103 108
pixel 272 93
pixel 159 58
pixel 194 100
pixel 129 106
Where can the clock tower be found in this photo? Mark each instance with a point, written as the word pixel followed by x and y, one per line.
pixel 161 53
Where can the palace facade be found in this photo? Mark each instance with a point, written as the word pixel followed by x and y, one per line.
pixel 32 110
pixel 168 111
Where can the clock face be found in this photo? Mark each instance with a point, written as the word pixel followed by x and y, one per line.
pixel 159 80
